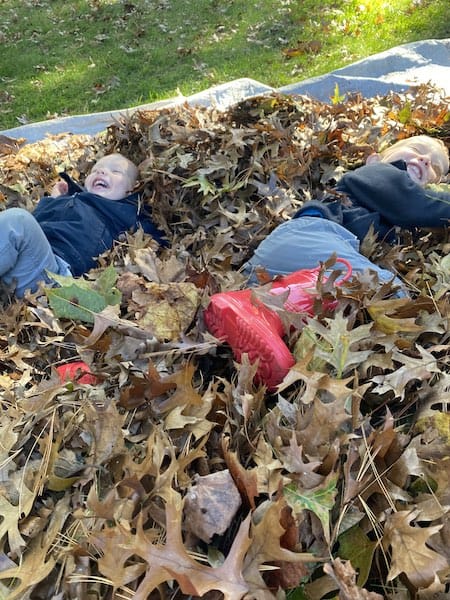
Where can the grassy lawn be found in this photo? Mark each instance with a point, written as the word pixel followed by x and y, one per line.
pixel 62 57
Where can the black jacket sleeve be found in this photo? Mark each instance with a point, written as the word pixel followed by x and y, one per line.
pixel 388 190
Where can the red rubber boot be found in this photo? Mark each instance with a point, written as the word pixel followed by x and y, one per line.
pixel 76 371
pixel 302 286
pixel 250 327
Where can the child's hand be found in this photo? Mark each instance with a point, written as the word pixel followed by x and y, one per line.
pixel 60 188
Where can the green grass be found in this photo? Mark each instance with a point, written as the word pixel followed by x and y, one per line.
pixel 62 57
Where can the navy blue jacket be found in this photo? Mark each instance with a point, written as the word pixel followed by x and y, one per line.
pixel 80 226
pixel 382 195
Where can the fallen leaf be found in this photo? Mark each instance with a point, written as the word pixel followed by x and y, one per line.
pixel 210 505
pixel 410 553
pixel 319 500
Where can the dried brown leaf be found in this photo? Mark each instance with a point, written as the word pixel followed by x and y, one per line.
pixel 210 505
pixel 344 575
pixel 410 553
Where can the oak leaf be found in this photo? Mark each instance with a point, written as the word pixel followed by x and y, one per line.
pixel 314 381
pixel 11 516
pixel 264 478
pixel 172 561
pixel 344 575
pixel 319 500
pixel 412 368
pixel 293 462
pixel 410 553
pixel 338 345
pixel 37 562
pixel 267 549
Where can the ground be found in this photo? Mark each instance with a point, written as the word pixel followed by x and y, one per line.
pixel 173 475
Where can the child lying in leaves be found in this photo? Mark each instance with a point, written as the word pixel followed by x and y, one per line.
pixel 388 192
pixel 73 226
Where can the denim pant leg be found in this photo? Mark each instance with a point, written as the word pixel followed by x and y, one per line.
pixel 303 243
pixel 25 253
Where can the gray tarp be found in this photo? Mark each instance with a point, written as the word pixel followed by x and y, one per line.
pixel 397 69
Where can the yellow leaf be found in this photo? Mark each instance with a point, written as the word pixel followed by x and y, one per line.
pixel 380 311
pixel 59 484
pixel 167 309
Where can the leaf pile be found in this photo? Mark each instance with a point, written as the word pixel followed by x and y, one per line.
pixel 174 476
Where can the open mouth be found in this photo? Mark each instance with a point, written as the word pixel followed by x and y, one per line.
pixel 415 171
pixel 100 183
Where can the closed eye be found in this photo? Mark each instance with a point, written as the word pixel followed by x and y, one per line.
pixel 438 170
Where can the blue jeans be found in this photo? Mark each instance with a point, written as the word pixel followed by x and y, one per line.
pixel 303 243
pixel 25 254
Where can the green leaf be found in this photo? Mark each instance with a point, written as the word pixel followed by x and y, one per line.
pixel 338 349
pixel 319 500
pixel 74 302
pixel 80 299
pixel 105 285
pixel 404 115
pixel 203 183
pixel 67 280
pixel 356 547
pixel 297 594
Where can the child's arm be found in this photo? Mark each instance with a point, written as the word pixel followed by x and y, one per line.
pixel 390 192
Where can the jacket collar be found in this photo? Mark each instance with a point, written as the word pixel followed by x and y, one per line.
pixel 399 164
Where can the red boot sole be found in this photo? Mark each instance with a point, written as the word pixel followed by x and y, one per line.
pixel 247 333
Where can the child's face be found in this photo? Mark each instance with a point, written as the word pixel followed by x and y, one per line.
pixel 426 161
pixel 112 177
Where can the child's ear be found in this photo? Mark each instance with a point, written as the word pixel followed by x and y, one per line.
pixel 373 158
